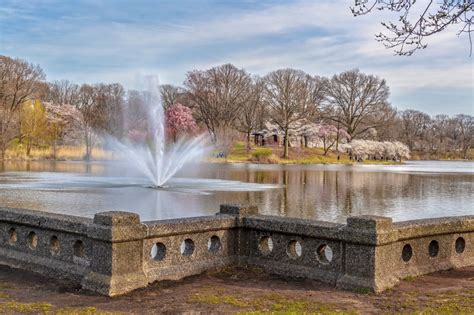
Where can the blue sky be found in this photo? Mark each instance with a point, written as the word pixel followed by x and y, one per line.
pixel 119 41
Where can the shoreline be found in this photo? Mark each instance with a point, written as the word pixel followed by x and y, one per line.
pixel 239 161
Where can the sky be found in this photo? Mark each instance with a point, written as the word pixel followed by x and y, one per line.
pixel 92 41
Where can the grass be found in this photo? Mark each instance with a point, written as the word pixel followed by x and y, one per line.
pixel 68 153
pixel 271 303
pixel 409 278
pixel 362 291
pixel 272 155
pixel 36 308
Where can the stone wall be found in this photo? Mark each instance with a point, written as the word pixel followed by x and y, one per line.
pixel 115 253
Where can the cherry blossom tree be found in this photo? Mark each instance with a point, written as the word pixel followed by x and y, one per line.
pixel 418 20
pixel 62 119
pixel 179 121
pixel 329 135
pixel 360 150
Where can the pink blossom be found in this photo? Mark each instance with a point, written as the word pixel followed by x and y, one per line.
pixel 179 121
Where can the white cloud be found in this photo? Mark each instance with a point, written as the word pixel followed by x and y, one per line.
pixel 320 37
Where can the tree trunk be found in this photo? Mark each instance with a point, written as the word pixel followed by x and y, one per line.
pixel 287 143
pixel 54 149
pixel 248 140
pixel 28 148
pixel 87 139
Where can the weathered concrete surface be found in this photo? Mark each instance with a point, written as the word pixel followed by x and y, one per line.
pixel 115 253
pixel 118 256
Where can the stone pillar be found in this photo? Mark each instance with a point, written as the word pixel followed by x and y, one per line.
pixel 241 234
pixel 117 254
pixel 366 238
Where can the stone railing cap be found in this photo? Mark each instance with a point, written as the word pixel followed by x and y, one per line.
pixel 238 209
pixel 369 222
pixel 120 218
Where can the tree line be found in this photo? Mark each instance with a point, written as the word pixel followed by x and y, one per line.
pixel 229 103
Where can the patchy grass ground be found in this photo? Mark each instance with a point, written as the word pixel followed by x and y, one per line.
pixel 239 291
pixel 273 155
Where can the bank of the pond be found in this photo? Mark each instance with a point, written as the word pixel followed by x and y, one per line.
pixel 238 154
pixel 240 291
pixel 273 155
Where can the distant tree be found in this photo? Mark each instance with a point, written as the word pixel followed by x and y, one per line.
pixel 61 92
pixel 34 124
pixel 61 119
pixel 252 111
pixel 91 118
pixel 110 100
pixel 414 125
pixel 329 135
pixel 359 102
pixel 360 150
pixel 136 110
pixel 179 121
pixel 171 94
pixel 465 125
pixel 291 96
pixel 218 96
pixel 18 83
pixel 407 35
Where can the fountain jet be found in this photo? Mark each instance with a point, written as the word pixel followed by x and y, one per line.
pixel 154 158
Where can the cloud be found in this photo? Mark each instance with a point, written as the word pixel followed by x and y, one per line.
pixel 93 41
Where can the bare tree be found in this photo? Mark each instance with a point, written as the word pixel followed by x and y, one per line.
pixel 218 96
pixel 292 96
pixel 252 111
pixel 62 92
pixel 18 82
pixel 414 125
pixel 465 125
pixel 91 117
pixel 171 94
pixel 359 102
pixel 110 104
pixel 407 35
pixel 136 110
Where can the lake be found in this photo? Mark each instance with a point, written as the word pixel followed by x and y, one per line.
pixel 414 190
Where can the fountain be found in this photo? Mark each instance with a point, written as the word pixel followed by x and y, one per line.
pixel 155 159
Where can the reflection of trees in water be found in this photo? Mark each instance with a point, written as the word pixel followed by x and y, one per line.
pixel 309 193
pixel 333 195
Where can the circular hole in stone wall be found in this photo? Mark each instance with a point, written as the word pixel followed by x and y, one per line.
pixel 433 248
pixel 79 249
pixel 294 249
pixel 265 245
pixel 158 251
pixel 54 246
pixel 324 254
pixel 12 236
pixel 214 244
pixel 407 253
pixel 187 247
pixel 460 245
pixel 32 240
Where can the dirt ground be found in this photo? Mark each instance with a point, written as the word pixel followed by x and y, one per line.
pixel 240 291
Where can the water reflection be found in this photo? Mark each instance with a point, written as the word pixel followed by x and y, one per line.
pixel 414 190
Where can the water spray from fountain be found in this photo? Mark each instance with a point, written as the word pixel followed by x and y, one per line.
pixel 154 157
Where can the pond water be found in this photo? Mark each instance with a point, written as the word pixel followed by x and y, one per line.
pixel 414 190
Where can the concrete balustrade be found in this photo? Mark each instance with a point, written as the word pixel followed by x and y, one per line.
pixel 115 253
